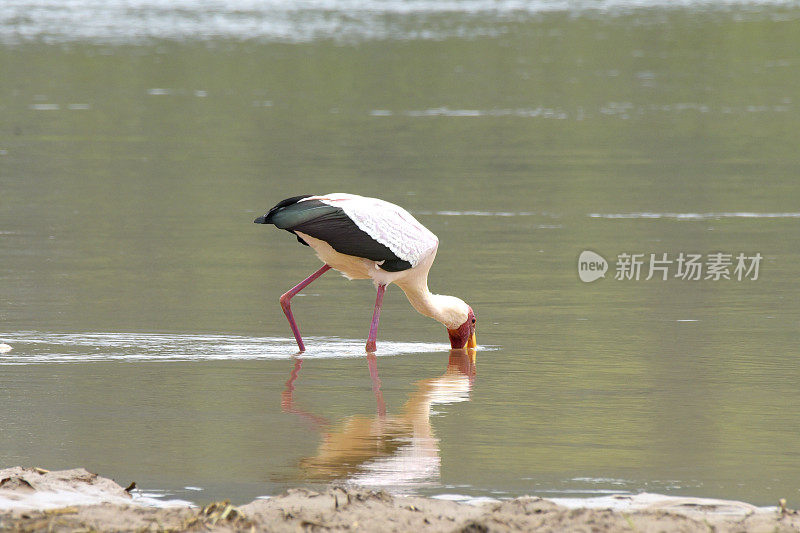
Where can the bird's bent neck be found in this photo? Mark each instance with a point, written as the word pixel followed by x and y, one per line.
pixel 447 310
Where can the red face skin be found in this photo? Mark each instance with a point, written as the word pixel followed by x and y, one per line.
pixel 459 337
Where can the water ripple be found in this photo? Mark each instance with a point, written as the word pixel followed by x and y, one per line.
pixel 37 348
pixel 696 216
pixel 116 21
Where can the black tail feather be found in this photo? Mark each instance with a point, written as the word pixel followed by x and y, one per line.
pixel 282 204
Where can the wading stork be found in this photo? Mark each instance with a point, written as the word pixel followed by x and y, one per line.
pixel 368 238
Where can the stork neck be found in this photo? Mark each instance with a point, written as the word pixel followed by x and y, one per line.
pixel 447 310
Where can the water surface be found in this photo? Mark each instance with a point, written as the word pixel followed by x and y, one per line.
pixel 141 301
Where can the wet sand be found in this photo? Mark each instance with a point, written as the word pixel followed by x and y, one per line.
pixel 37 500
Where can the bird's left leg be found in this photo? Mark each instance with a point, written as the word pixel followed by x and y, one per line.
pixel 286 303
pixel 376 315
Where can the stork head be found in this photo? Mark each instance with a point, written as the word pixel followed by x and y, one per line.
pixel 464 335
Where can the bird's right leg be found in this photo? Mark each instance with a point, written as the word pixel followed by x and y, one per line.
pixel 287 307
pixel 376 316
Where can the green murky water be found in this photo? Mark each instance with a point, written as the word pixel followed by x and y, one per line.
pixel 141 301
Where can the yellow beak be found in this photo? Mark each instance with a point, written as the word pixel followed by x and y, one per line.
pixel 473 341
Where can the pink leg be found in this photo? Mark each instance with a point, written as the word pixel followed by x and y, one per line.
pixel 376 315
pixel 286 303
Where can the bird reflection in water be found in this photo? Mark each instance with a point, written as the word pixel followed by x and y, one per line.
pixel 386 450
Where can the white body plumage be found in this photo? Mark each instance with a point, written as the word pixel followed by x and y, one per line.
pixel 387 223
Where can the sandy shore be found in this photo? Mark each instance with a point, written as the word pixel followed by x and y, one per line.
pixel 69 500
